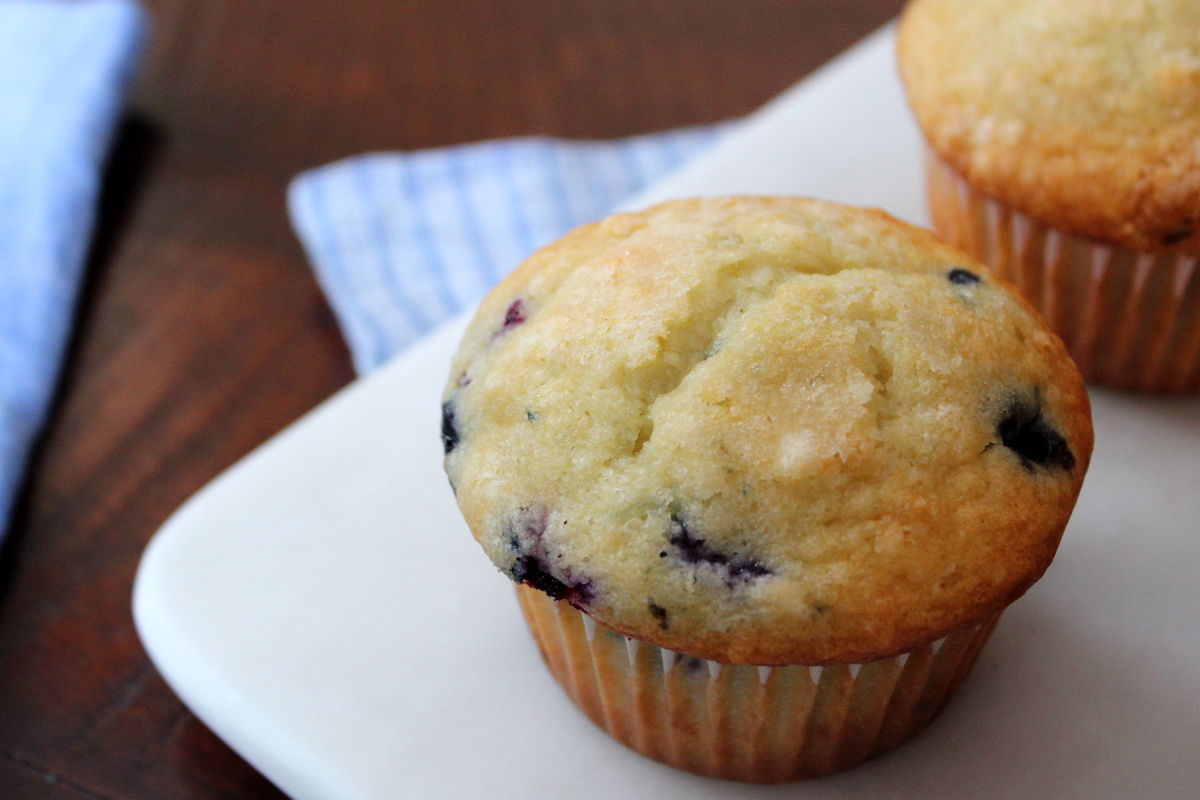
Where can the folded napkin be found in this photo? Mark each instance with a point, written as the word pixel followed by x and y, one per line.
pixel 402 241
pixel 64 67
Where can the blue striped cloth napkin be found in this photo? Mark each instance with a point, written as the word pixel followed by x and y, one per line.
pixel 64 68
pixel 402 241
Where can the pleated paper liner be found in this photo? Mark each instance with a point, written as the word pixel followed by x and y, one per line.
pixel 760 724
pixel 1130 320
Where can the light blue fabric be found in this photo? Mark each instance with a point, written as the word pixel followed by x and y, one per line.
pixel 63 71
pixel 402 241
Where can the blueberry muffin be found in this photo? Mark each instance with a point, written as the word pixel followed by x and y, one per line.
pixel 725 435
pixel 1063 150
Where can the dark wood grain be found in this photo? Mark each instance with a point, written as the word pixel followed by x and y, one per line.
pixel 201 330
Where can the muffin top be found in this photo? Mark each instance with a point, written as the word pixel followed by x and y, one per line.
pixel 765 430
pixel 1082 113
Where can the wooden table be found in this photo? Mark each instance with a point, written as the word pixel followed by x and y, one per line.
pixel 202 333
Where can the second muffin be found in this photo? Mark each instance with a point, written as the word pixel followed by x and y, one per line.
pixel 1064 151
pixel 769 432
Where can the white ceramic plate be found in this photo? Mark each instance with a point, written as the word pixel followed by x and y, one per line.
pixel 322 607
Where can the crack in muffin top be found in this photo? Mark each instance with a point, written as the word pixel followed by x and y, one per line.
pixel 765 430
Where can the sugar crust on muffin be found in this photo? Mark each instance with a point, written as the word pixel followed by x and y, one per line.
pixel 765 430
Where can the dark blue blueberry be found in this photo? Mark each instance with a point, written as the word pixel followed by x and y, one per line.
pixel 1024 431
pixel 659 613
pixel 449 427
pixel 962 277
pixel 536 566
pixel 515 314
pixel 531 571
pixel 691 549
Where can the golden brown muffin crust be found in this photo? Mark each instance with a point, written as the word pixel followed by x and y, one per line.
pixel 1082 113
pixel 765 430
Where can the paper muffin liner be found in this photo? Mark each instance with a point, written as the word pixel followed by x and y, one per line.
pixel 761 724
pixel 1130 320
